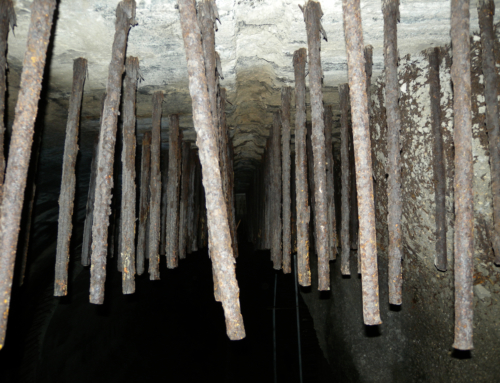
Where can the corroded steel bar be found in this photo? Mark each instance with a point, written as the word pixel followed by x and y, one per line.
pixel 286 94
pixel 164 182
pixel 390 9
pixel 183 203
pixel 128 214
pixel 174 164
pixel 141 250
pixel 368 70
pixel 486 12
pixel 125 18
pixel 276 254
pixel 362 148
pixel 89 214
pixel 303 211
pixel 155 190
pixel 353 220
pixel 191 201
pixel 68 182
pixel 330 190
pixel 222 259
pixel 7 21
pixel 312 16
pixel 464 202
pixel 197 208
pixel 346 178
pixel 20 147
pixel 232 200
pixel 440 259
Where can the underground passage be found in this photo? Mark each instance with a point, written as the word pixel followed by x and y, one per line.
pixel 249 191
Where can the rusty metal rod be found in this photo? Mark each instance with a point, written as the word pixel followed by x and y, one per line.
pixel 142 248
pixel 312 16
pixel 346 178
pixel 276 254
pixel 286 95
pixel 222 258
pixel 155 190
pixel 440 259
pixel 184 195
pixel 20 147
pixel 197 208
pixel 7 21
pixel 174 164
pixel 303 211
pixel 125 18
pixel 464 202
pixel 330 189
pixel 68 182
pixel 128 214
pixel 486 13
pixel 390 10
pixel 164 182
pixel 362 148
pixel 191 201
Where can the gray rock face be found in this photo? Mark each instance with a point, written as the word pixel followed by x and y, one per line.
pixel 256 40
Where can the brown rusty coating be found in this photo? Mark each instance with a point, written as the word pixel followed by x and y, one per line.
pixel 20 147
pixel 368 70
pixel 174 176
pixel 128 214
pixel 330 190
pixel 183 203
pixel 125 18
pixel 155 190
pixel 191 223
pixel 464 202
pixel 286 95
pixel 362 148
pixel 164 178
pixel 232 199
pixel 303 211
pixel 222 256
pixel 7 21
pixel 346 178
pixel 68 182
pixel 276 255
pixel 440 259
pixel 143 203
pixel 390 9
pixel 312 16
pixel 486 13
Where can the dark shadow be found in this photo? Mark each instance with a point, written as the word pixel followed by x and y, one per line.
pixel 325 294
pixel 372 331
pixel 461 354
pixel 395 308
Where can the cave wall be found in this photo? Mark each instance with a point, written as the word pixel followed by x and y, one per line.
pixel 414 342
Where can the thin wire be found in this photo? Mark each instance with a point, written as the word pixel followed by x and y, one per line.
pixel 297 310
pixel 274 326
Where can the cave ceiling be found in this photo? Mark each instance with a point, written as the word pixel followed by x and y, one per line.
pixel 255 39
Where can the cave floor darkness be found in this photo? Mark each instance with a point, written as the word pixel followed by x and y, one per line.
pixel 174 330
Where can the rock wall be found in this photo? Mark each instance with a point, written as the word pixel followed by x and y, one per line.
pixel 414 342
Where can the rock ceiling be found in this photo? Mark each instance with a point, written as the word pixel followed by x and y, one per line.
pixel 256 40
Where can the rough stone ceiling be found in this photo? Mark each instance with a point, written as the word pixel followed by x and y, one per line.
pixel 256 40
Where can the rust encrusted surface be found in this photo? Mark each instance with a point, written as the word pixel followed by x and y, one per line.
pixel 222 257
pixel 330 189
pixel 67 193
pixel 20 147
pixel 346 177
pixel 144 203
pixel 164 181
pixel 486 12
pixel 155 190
pixel 276 254
pixel 125 18
pixel 369 70
pixel 303 211
pixel 128 216
pixel 7 21
pixel 464 203
pixel 286 94
pixel 362 149
pixel 174 176
pixel 192 221
pixel 440 260
pixel 184 194
pixel 390 9
pixel 312 16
